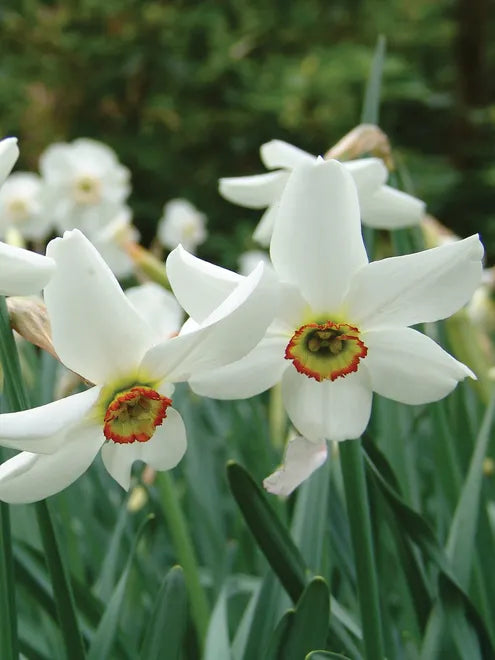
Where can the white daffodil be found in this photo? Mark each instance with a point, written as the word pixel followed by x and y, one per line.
pixel 381 206
pixel 21 206
pixel 181 223
pixel 21 272
pixel 341 331
pixel 128 413
pixel 84 182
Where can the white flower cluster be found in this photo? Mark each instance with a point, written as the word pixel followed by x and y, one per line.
pixel 330 326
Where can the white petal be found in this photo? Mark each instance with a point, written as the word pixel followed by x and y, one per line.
pixel 388 208
pixel 9 153
pixel 256 372
pixel 264 229
pixel 43 429
pixel 96 331
pixel 255 191
pixel 31 477
pixel 23 272
pixel 200 287
pixel 231 331
pixel 317 243
pixel 408 366
pixel 162 452
pixel 158 307
pixel 337 410
pixel 421 287
pixel 302 457
pixel 278 153
pixel 369 175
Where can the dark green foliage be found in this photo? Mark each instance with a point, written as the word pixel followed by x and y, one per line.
pixel 187 92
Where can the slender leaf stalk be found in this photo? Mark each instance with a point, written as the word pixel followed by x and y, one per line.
pixel 360 524
pixel 186 555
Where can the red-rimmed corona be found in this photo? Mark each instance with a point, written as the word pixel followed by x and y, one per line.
pixel 134 414
pixel 326 351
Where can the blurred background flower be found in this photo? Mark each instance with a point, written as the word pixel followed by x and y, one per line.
pixel 186 94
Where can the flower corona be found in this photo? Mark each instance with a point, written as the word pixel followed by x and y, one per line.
pixel 326 351
pixel 134 414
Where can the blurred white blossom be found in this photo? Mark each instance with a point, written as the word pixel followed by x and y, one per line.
pixel 21 207
pixel 182 223
pixel 84 182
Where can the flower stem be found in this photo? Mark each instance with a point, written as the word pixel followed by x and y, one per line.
pixel 18 400
pixel 185 553
pixel 8 622
pixel 359 519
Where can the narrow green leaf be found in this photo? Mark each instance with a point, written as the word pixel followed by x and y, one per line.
pixel 106 579
pixel 167 626
pixel 271 536
pixel 460 543
pixel 308 529
pixel 103 640
pixel 280 634
pixel 309 628
pixel 217 640
pixel 200 609
pixel 262 619
pixel 371 105
pixel 8 620
pixel 305 628
pixel 325 655
pixel 358 510
pixel 64 599
pixel 421 535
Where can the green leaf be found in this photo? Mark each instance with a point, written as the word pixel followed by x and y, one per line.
pixel 460 543
pixel 103 640
pixel 261 612
pixel 311 509
pixel 271 536
pixel 325 655
pixel 371 105
pixel 8 623
pixel 305 628
pixel 421 535
pixel 281 632
pixel 167 626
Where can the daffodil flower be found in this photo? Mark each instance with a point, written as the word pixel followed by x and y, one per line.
pixel 181 223
pixel 341 330
pixel 381 206
pixel 21 272
pixel 128 413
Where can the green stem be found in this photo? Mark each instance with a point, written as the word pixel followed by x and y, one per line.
pixel 8 625
pixel 18 400
pixel 360 524
pixel 62 591
pixel 185 553
pixel 276 417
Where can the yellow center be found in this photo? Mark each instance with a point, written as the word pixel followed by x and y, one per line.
pixel 326 351
pixel 18 209
pixel 134 414
pixel 87 190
